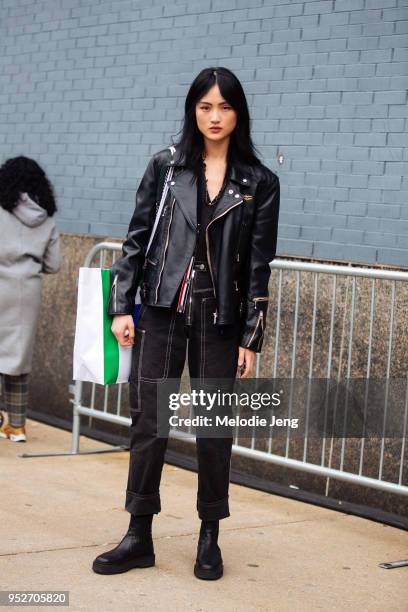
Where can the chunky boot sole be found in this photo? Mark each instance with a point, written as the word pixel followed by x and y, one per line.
pixel 208 574
pixel 106 568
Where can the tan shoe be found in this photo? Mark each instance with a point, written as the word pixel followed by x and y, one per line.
pixel 15 434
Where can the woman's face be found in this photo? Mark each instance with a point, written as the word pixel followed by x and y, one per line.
pixel 212 111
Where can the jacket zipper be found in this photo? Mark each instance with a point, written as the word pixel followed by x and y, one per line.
pixel 190 299
pixel 259 320
pixel 147 251
pixel 208 248
pixel 165 249
pixel 114 284
pixel 239 242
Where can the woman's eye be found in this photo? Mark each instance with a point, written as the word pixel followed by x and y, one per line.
pixel 208 108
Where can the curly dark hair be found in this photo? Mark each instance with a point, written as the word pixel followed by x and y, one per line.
pixel 23 175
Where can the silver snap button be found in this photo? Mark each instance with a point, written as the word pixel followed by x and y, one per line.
pixel 245 180
pixel 172 183
pixel 202 266
pixel 230 191
pixel 237 195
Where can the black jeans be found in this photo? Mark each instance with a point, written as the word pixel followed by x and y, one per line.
pixel 159 353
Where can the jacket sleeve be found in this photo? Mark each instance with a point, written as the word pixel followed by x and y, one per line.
pixel 126 272
pixel 51 262
pixel 262 251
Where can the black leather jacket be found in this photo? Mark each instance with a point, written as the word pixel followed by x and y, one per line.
pixel 241 241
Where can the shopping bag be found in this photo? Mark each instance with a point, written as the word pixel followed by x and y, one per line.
pixel 98 356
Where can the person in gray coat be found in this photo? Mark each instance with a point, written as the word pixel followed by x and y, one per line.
pixel 29 247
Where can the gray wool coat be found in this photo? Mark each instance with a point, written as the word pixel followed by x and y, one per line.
pixel 29 246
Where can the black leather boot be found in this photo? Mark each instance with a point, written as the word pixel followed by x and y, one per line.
pixel 208 564
pixel 135 550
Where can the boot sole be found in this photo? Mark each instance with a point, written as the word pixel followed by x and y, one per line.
pixel 18 438
pixel 13 437
pixel 208 574
pixel 101 568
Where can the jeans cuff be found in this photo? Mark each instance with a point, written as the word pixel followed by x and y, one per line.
pixel 142 504
pixel 213 511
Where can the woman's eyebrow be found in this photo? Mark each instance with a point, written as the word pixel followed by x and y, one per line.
pixel 209 103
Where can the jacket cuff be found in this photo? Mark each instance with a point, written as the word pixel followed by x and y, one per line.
pixel 254 327
pixel 119 303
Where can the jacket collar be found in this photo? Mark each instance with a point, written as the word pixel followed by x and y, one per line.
pixel 183 187
pixel 238 174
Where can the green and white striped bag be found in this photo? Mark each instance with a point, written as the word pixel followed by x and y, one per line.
pixel 98 356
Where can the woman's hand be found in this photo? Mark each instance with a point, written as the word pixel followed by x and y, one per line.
pixel 246 360
pixel 123 329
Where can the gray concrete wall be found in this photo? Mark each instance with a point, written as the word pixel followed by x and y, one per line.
pixel 92 88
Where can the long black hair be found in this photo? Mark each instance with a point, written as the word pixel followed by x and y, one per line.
pixel 23 175
pixel 191 142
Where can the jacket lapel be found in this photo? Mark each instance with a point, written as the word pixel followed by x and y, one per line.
pixel 183 186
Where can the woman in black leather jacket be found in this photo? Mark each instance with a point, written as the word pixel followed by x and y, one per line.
pixel 199 244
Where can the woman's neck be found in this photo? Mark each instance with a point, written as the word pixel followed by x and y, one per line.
pixel 216 152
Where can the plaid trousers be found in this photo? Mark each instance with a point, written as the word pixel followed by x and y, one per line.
pixel 15 394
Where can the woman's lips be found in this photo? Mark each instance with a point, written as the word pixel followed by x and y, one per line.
pixel 215 129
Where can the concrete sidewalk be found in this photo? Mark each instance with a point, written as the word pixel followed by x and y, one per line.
pixel 58 513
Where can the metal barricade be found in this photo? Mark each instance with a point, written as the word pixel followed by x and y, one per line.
pixel 363 292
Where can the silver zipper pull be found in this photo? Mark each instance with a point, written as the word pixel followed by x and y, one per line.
pixel 115 282
pixel 190 289
pixel 215 315
pixel 259 320
pixel 237 256
pixel 236 285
